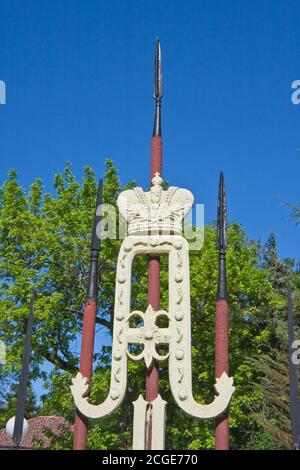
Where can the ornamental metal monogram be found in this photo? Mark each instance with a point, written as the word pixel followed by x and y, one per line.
pixel 155 220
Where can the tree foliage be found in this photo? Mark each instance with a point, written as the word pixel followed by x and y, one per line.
pixel 44 246
pixel 273 412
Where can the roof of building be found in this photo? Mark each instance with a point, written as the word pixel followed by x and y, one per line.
pixel 38 427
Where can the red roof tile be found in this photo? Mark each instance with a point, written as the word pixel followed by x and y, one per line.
pixel 37 428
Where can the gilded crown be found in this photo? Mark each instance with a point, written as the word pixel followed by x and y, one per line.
pixel 157 211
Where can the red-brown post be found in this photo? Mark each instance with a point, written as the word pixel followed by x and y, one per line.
pixel 152 375
pixel 221 325
pixel 86 368
pixel 154 274
pixel 221 365
pixel 88 326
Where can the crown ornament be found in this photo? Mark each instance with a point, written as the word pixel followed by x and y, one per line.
pixel 155 212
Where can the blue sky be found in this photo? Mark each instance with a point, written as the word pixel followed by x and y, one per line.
pixel 79 87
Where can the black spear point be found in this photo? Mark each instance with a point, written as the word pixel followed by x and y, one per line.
pixel 222 240
pixel 92 287
pixel 22 390
pixel 96 241
pixel 157 89
pixel 294 392
pixel 158 85
pixel 222 216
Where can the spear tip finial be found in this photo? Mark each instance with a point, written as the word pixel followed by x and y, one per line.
pixel 158 85
pixel 222 216
pixel 96 242
pixel 157 89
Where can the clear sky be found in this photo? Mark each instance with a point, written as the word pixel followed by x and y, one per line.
pixel 79 87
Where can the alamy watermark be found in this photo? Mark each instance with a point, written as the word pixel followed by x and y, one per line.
pixel 2 353
pixel 295 96
pixel 2 92
pixel 166 220
pixel 296 352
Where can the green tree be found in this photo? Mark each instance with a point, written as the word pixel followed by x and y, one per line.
pixel 9 404
pixel 44 245
pixel 272 413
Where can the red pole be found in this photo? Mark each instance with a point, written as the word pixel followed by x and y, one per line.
pixel 88 326
pixel 221 365
pixel 86 366
pixel 152 375
pixel 156 156
pixel 221 351
pixel 154 300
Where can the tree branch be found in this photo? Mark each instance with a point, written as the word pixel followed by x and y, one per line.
pixel 99 321
pixel 57 361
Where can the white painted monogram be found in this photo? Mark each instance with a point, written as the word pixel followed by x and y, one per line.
pixel 178 333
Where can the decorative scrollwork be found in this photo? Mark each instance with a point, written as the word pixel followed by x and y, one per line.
pixel 149 336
